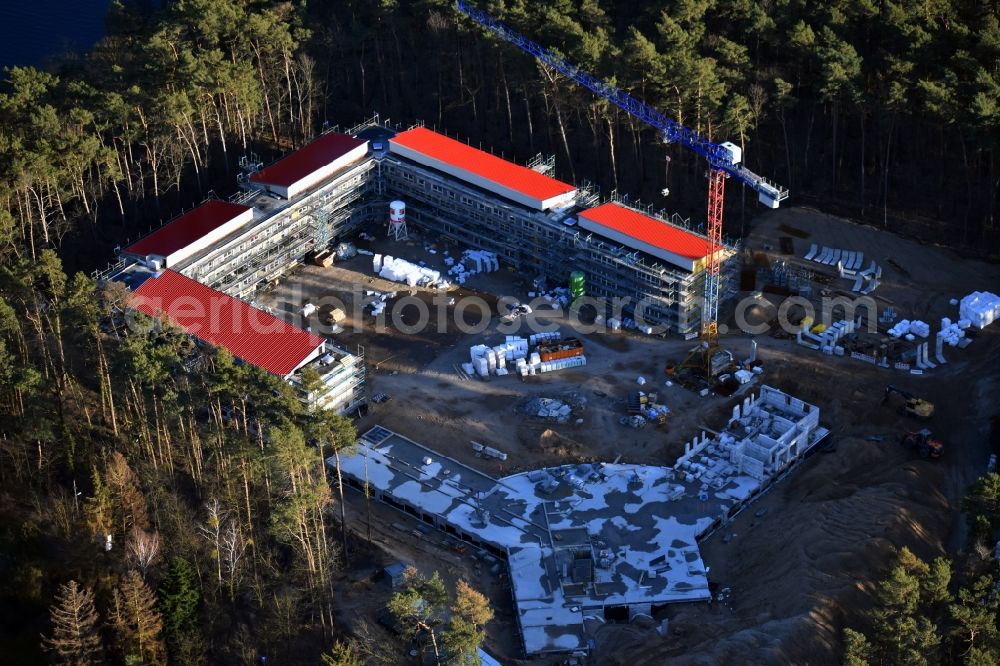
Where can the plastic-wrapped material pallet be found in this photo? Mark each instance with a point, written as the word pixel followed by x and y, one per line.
pixel 901 328
pixel 400 270
pixel 951 334
pixel 563 364
pixel 535 338
pixel 980 308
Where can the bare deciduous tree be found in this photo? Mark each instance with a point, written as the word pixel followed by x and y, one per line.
pixel 143 549
pixel 233 547
pixel 373 647
pixel 211 529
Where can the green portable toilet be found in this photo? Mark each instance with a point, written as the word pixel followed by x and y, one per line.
pixel 577 284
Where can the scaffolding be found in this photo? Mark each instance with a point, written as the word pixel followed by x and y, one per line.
pixel 545 244
pixel 550 246
pixel 544 164
pixel 279 238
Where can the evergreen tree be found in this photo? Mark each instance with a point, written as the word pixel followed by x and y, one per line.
pixel 983 500
pixel 857 650
pixel 466 627
pixel 341 654
pixel 420 606
pixel 180 597
pixel 975 613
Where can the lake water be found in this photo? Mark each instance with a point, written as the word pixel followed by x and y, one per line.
pixel 36 30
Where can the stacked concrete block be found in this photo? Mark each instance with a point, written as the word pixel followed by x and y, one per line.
pixel 471 263
pixel 400 270
pixel 536 338
pixel 980 308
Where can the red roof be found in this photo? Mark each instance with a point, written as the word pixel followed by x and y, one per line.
pixel 223 321
pixel 489 167
pixel 649 230
pixel 186 229
pixel 304 161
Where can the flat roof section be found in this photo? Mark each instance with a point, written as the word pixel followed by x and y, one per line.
pixel 512 181
pixel 246 332
pixel 188 228
pixel 312 157
pixel 583 538
pixel 641 232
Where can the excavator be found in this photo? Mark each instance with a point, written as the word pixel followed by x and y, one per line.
pixel 923 442
pixel 914 406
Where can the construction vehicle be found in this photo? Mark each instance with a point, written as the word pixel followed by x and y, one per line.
pixel 916 407
pixel 724 160
pixel 923 442
pixel 635 401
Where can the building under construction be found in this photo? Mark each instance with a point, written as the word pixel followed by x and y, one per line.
pixel 345 181
pixel 535 223
pixel 591 543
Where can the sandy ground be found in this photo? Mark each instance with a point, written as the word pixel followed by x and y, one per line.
pixel 796 572
pixel 801 570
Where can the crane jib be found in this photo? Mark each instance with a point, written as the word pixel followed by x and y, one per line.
pixel 718 156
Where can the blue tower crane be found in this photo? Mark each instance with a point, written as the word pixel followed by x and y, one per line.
pixel 725 160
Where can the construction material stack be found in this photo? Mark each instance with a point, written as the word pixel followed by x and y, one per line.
pixel 644 408
pixel 472 262
pixel 981 308
pixel 551 353
pixel 400 270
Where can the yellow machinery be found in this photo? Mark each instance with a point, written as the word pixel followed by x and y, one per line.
pixel 914 406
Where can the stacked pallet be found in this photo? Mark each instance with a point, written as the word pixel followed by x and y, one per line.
pixel 981 308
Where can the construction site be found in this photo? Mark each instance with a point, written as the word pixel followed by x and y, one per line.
pixel 641 439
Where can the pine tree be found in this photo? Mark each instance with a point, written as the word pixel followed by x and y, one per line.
pixel 420 606
pixel 75 640
pixel 137 622
pixel 179 597
pixel 983 500
pixel 906 616
pixel 857 649
pixel 341 654
pixel 465 633
pixel 975 613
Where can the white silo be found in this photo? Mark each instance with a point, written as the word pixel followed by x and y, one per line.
pixel 397 220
